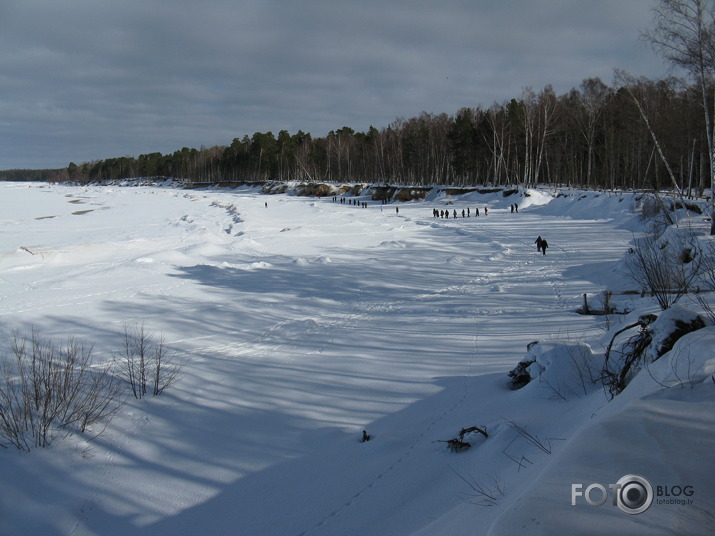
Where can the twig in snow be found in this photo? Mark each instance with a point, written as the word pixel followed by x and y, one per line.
pixel 481 495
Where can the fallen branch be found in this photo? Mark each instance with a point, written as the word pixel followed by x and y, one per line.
pixel 465 431
pixel 459 444
pixel 455 445
pixel 643 321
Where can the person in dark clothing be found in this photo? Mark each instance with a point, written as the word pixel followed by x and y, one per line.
pixel 544 245
pixel 538 243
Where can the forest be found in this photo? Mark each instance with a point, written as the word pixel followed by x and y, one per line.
pixel 594 136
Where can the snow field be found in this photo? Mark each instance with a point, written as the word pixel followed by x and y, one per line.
pixel 298 325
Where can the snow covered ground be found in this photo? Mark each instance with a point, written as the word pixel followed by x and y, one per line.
pixel 304 321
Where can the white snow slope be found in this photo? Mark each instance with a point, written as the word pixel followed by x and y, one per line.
pixel 301 323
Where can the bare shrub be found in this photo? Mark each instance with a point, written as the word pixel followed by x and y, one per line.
pixel 543 445
pixel 654 212
pixel 666 270
pixel 482 494
pixel 145 362
pixel 46 389
pixel 586 371
pixel 707 280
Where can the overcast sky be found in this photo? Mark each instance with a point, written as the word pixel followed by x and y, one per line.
pixel 89 79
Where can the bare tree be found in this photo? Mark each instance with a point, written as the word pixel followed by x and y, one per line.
pixel 593 97
pixel 500 143
pixel 684 34
pixel 636 90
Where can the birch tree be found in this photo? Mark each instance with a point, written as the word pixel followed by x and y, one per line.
pixel 684 34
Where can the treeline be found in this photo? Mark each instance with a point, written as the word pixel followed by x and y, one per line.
pixel 22 175
pixel 594 136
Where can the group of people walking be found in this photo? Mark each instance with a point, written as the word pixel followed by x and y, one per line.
pixel 466 213
pixel 356 202
pixel 541 245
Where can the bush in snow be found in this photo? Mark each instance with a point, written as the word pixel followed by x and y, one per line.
pixel 565 368
pixel 665 265
pixel 707 280
pixel 144 362
pixel 47 389
pixel 654 212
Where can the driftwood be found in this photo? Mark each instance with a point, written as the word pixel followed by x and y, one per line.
pixel 465 431
pixel 616 377
pixel 458 444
